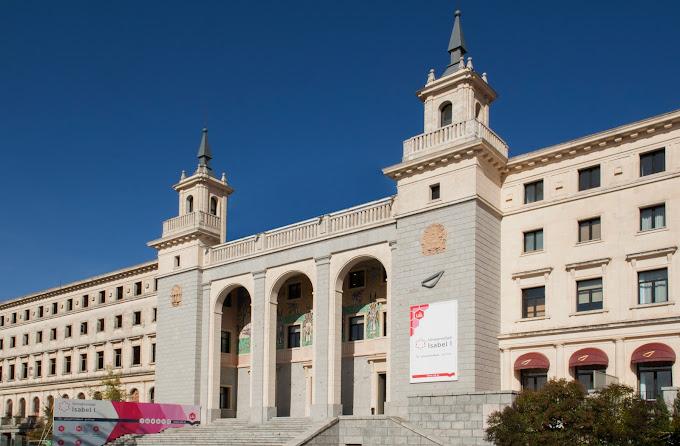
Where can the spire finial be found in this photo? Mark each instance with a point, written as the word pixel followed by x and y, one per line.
pixel 204 155
pixel 456 44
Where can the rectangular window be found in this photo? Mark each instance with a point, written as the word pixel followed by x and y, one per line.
pixel 25 339
pixel 2 344
pixel 589 178
pixel 118 321
pixel 37 369
pixel 155 284
pixel 653 217
pixel 55 307
pixel 102 297
pixel 533 302
pixel 533 192
pixel 225 342
pixel 118 358
pixel 138 288
pixel 137 318
pixel 53 366
pixel 1 376
pixel 53 334
pixel 38 337
pixel 69 305
pixel 67 365
pixel 12 342
pixel 533 240
pixel 27 315
pixel 41 311
pixel 653 286
pixel 177 262
pixel 100 325
pixel 83 328
pixel 589 295
pixel 652 162
pixel 294 290
pixel 356 328
pixel 155 314
pixel 225 397
pixel 589 230
pixel 136 355
pixel 586 375
pixel 67 331
pixel 24 370
pixel 153 352
pixel 14 318
pixel 652 377
pixel 384 327
pixel 2 321
pixel 119 293
pixel 85 301
pixel 357 279
pixel 83 362
pixel 11 372
pixel 434 192
pixel 293 336
pixel 100 360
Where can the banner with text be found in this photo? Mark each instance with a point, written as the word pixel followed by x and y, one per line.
pixel 434 342
pixel 96 422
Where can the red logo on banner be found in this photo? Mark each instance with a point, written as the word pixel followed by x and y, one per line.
pixel 96 428
pixel 61 428
pixel 79 428
pixel 60 442
pixel 192 416
pixel 419 314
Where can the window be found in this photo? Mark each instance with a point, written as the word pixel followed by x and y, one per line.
pixel 11 372
pixel 86 301
pixel 653 286
pixel 155 314
pixel 12 342
pixel 136 355
pixel 384 326
pixel 445 114
pixel 118 321
pixel 434 192
pixel 533 302
pixel 69 305
pixel 100 325
pixel 294 290
pixel 586 375
pixel 652 162
pixel 589 295
pixel 225 342
pixel 1 374
pixel 83 328
pixel 2 344
pixel 53 366
pixel 14 318
pixel 589 230
pixel 38 369
pixel 100 360
pixel 153 352
pixel 53 334
pixel 83 362
pixel 38 337
pixel 25 339
pixel 213 205
pixel 138 288
pixel 356 328
pixel 67 365
pixel 102 297
pixel 652 377
pixel 357 279
pixel 155 284
pixel 117 357
pixel 2 321
pixel 67 331
pixel 533 379
pixel 41 311
pixel 137 318
pixel 27 315
pixel 589 178
pixel 177 262
pixel 55 307
pixel 225 397
pixel 24 370
pixel 533 192
pixel 293 336
pixel 653 217
pixel 190 204
pixel 533 240
pixel 119 293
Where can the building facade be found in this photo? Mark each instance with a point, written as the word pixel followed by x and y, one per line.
pixel 562 262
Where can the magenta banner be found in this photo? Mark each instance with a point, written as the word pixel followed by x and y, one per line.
pixel 96 422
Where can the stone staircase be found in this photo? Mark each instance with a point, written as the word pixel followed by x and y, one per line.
pixel 229 431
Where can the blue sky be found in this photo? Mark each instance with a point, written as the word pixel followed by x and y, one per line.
pixel 101 106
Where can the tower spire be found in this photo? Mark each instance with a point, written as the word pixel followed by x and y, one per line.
pixel 456 45
pixel 204 155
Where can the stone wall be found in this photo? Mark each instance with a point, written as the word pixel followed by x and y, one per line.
pixel 367 431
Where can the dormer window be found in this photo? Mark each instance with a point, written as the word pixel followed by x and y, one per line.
pixel 445 114
pixel 190 204
pixel 213 205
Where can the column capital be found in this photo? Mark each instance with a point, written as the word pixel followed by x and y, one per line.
pixel 258 275
pixel 323 260
pixel 393 244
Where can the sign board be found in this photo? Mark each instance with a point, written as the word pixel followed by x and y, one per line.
pixel 96 422
pixel 433 335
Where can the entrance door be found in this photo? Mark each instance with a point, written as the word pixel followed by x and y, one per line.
pixel 382 392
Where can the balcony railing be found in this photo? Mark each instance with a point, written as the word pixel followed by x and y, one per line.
pixel 347 220
pixel 456 133
pixel 191 221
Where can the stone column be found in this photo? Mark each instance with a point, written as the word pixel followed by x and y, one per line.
pixel 269 375
pixel 619 360
pixel 207 364
pixel 334 351
pixel 258 341
pixel 560 366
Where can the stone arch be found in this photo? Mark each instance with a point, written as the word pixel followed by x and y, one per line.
pixel 445 113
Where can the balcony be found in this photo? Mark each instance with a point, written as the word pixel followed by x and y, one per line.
pixel 191 222
pixel 341 222
pixel 452 135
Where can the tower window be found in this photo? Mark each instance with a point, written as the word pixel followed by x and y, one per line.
pixel 177 264
pixel 446 114
pixel 434 192
pixel 213 205
pixel 478 110
pixel 190 204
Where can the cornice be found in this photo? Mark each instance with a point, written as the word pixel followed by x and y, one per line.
pixel 651 253
pixel 465 75
pixel 202 178
pixel 532 273
pixel 178 239
pixel 587 263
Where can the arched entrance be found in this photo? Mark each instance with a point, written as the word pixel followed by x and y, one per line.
pixel 294 339
pixel 232 348
pixel 364 337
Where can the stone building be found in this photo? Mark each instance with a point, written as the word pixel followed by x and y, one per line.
pixel 562 263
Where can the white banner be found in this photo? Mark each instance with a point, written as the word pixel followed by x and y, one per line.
pixel 434 342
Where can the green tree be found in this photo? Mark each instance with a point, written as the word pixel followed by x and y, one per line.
pixel 110 388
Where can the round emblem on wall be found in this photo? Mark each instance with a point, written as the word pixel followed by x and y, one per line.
pixel 433 240
pixel 176 296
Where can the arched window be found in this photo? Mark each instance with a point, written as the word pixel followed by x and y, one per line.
pixel 50 402
pixel 8 408
pixel 81 396
pixel 65 396
pixel 36 406
pixel 134 396
pixel 190 204
pixel 22 408
pixel 152 395
pixel 445 114
pixel 97 395
pixel 213 205
pixel 478 110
